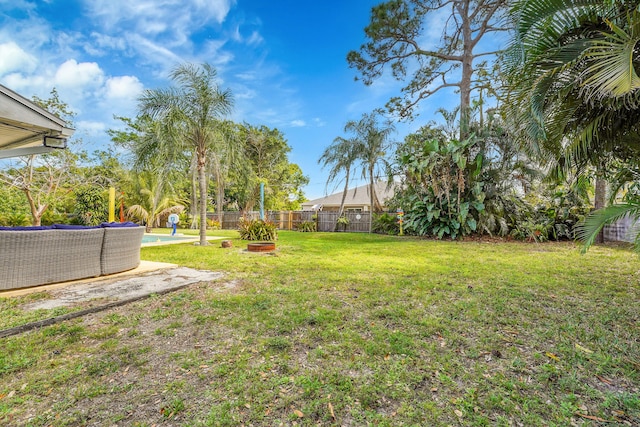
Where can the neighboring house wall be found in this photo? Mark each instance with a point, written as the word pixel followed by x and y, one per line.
pixel 624 230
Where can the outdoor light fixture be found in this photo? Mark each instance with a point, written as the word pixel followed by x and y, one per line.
pixel 54 142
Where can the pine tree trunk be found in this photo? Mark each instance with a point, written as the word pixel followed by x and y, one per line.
pixel 467 71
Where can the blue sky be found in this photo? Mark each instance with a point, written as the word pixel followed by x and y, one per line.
pixel 284 61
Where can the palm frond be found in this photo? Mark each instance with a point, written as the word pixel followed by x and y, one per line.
pixel 587 231
pixel 138 212
pixel 611 72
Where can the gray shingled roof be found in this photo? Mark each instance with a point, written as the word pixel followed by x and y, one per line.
pixel 355 196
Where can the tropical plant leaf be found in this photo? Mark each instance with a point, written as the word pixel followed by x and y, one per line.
pixel 587 231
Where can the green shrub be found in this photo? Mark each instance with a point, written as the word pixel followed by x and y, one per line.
pixel 53 217
pixel 307 226
pixel 385 224
pixel 15 219
pixel 213 224
pixel 343 220
pixel 91 205
pixel 257 229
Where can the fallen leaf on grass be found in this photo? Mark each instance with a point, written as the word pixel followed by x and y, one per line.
pixel 552 356
pixel 298 413
pixel 584 349
pixel 387 356
pixel 591 417
pixel 458 413
pixel 604 380
pixel 333 415
pixel 632 362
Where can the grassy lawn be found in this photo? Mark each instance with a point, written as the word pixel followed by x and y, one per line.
pixel 347 329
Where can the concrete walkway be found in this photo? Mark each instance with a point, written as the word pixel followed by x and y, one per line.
pixel 108 292
pixel 143 268
pixel 126 288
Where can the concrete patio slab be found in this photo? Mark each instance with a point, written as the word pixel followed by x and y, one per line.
pixel 127 288
pixel 105 293
pixel 144 267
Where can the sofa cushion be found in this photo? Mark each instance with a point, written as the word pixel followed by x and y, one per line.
pixel 26 228
pixel 118 224
pixel 73 227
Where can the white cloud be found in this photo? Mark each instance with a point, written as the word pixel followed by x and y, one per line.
pixel 28 85
pixel 244 93
pixel 72 74
pixel 154 53
pixel 298 123
pixel 319 122
pixel 90 128
pixel 254 39
pixel 176 17
pixel 123 87
pixel 101 44
pixel 247 76
pixel 435 23
pixel 14 58
pixel 214 54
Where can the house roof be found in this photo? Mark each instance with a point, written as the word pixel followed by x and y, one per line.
pixel 355 196
pixel 24 126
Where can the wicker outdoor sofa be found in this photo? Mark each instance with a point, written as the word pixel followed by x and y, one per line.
pixel 33 256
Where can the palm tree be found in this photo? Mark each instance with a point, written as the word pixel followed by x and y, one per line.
pixel 574 83
pixel 371 144
pixel 339 157
pixel 155 203
pixel 192 110
pixel 226 153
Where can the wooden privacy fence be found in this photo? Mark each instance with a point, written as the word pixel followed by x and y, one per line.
pixel 284 220
pixel 289 220
pixel 358 221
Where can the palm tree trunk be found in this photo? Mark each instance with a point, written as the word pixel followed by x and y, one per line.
pixel 371 197
pixel 344 197
pixel 202 181
pixel 194 193
pixel 600 201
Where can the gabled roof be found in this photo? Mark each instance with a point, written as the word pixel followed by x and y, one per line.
pixel 355 196
pixel 24 126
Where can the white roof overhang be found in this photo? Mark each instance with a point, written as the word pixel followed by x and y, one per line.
pixel 26 128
